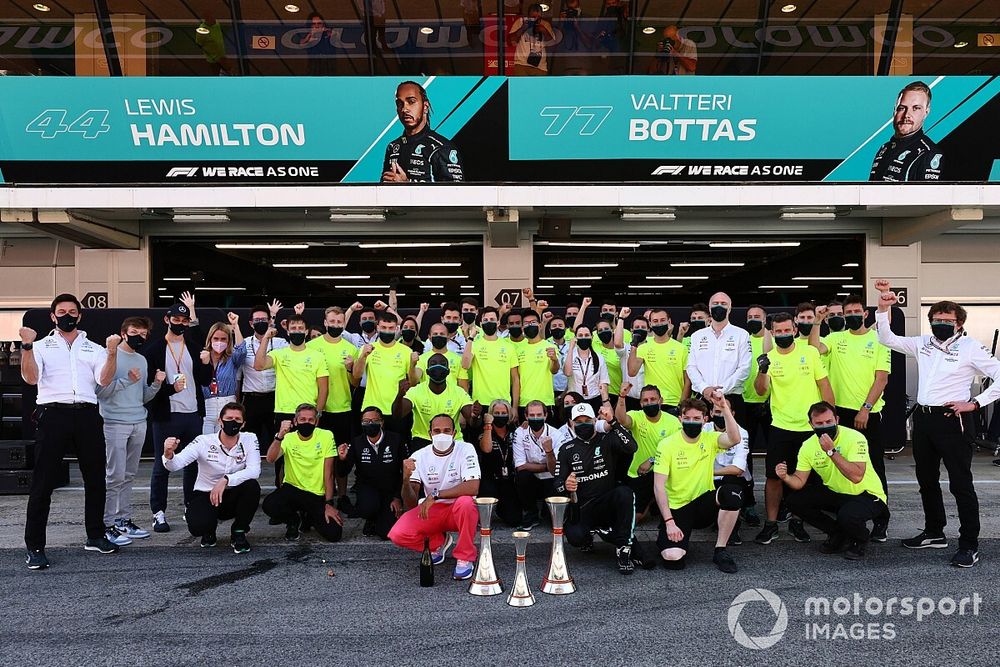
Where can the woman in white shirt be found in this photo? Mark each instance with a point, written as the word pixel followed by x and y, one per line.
pixel 585 371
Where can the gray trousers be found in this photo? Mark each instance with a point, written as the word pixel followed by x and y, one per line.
pixel 124 445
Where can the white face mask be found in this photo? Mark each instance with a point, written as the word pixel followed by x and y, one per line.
pixel 441 442
pixel 219 346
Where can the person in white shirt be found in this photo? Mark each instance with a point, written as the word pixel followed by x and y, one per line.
pixel 640 331
pixel 720 356
pixel 535 447
pixel 258 386
pixel 733 465
pixel 557 336
pixel 586 371
pixel 943 422
pixel 227 487
pixel 448 473
pixel 67 367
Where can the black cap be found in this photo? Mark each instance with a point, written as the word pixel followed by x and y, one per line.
pixel 178 309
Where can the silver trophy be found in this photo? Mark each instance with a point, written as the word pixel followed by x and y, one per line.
pixel 485 581
pixel 520 594
pixel 557 581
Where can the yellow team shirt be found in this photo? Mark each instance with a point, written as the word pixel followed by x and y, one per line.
pixel 689 467
pixel 296 375
pixel 338 399
pixel 793 386
pixel 534 369
pixel 491 366
pixel 648 436
pixel 454 365
pixel 750 394
pixel 853 447
pixel 609 356
pixel 427 405
pixel 853 361
pixel 304 460
pixel 664 365
pixel 386 366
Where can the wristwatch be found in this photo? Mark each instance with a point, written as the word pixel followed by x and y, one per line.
pixel 867 406
pixel 436 494
pixel 332 502
pixel 28 346
pixel 831 452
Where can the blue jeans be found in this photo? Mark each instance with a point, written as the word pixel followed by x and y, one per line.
pixel 183 425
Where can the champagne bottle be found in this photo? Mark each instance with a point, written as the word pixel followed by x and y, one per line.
pixel 426 566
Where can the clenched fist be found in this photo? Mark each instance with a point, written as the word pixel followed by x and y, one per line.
pixel 27 335
pixel 113 341
pixel 170 446
pixel 409 465
pixel 134 374
pixel 160 377
pixel 205 357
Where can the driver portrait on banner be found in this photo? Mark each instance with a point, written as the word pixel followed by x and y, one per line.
pixel 910 155
pixel 419 154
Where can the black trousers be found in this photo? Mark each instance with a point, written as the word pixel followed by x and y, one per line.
pixel 239 503
pixel 530 492
pixel 186 426
pixel 260 417
pixel 59 431
pixel 873 433
pixel 285 504
pixel 340 424
pixel 504 489
pixel 279 465
pixel 837 513
pixel 944 439
pixel 614 510
pixel 374 505
pixel 757 422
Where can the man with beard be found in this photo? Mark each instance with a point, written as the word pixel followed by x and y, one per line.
pixel 420 154
pixel 910 155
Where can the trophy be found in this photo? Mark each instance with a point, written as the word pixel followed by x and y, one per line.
pixel 557 581
pixel 485 581
pixel 520 593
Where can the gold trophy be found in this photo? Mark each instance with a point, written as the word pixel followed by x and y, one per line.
pixel 557 581
pixel 485 581
pixel 520 593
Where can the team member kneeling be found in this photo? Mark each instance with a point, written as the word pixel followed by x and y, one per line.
pixel 448 472
pixel 851 494
pixel 227 487
pixel 308 488
pixel 685 489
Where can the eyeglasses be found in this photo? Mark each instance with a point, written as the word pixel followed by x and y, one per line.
pixel 369 422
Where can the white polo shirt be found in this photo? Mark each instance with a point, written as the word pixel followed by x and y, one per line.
pixel 720 360
pixel 68 374
pixel 528 448
pixel 254 381
pixel 241 463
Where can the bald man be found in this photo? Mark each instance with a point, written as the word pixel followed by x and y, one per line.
pixel 720 356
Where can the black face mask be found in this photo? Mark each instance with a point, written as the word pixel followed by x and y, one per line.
pixel 719 421
pixel 805 328
pixel 515 332
pixel 659 329
pixel 638 336
pixel 371 430
pixel 335 331
pixel 719 313
pixel 608 317
pixel 754 326
pixel 452 327
pixel 501 421
pixel 135 342
pixel 387 337
pixel 67 323
pixel 651 410
pixel 584 430
pixel 231 427
pixel 695 325
pixel 830 430
pixel 368 326
pixel 583 343
pixel 297 337
pixel 692 429
pixel 531 330
pixel 854 322
pixel 784 342
pixel 605 336
pixel 261 328
pixel 557 334
pixel 836 323
pixel 178 329
pixel 489 328
pixel 439 342
pixel 409 334
pixel 536 423
pixel 468 318
pixel 943 331
pixel 438 374
pixel 305 429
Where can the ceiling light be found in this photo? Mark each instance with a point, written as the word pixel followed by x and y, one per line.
pixel 543 286
pixel 544 7
pixel 821 278
pixel 588 244
pixel 582 266
pixel 782 286
pixel 655 286
pixel 571 278
pixel 357 217
pixel 422 264
pixel 262 246
pixel 404 245
pixel 850 265
pixel 579 286
pixel 431 286
pixel 692 264
pixel 468 293
pixel 427 30
pixel 852 286
pixel 788 9
pixel 203 30
pixel 648 30
pixel 677 277
pixel 650 217
pixel 161 289
pixel 808 215
pixel 291 9
pixel 332 265
pixel 338 277
pixel 957 45
pixel 200 217
pixel 755 244
pixel 363 287
pixel 467 287
pixel 165 296
pixel 220 289
pixel 176 280
pixel 42 8
pixel 378 293
pixel 436 277
pixel 843 294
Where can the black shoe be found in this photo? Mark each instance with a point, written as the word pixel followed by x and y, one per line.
pixel 767 534
pixel 798 530
pixel 834 544
pixel 735 539
pixel 965 558
pixel 751 518
pixel 856 551
pixel 528 523
pixel 292 531
pixel 100 544
pixel 240 543
pixel 369 528
pixel 36 559
pixel 625 565
pixel 996 462
pixel 926 541
pixel 643 556
pixel 879 531
pixel 345 506
pixel 783 514
pixel 208 541
pixel 724 561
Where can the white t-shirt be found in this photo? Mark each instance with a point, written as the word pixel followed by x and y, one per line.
pixel 734 456
pixel 587 378
pixel 68 374
pixel 687 49
pixel 440 473
pixel 529 42
pixel 528 447
pixel 240 463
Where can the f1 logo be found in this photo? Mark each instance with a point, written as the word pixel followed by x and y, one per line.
pixel 668 170
pixel 176 172
pixel 593 117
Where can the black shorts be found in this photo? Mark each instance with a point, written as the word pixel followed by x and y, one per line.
pixel 784 446
pixel 702 512
pixel 642 487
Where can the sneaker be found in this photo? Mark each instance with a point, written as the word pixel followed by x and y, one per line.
pixel 240 543
pixel 438 556
pixel 111 534
pixel 879 530
pixel 834 544
pixel 856 551
pixel 625 565
pixel 208 541
pixel 160 524
pixel 965 558
pixel 528 524
pixel 131 530
pixel 751 518
pixel 36 559
pixel 735 539
pixel 463 570
pixel 292 530
pixel 100 544
pixel 345 506
pixel 783 514
pixel 724 561
pixel 798 530
pixel 768 533
pixel 996 462
pixel 926 541
pixel 369 528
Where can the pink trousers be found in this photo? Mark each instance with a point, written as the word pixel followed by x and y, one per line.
pixel 460 516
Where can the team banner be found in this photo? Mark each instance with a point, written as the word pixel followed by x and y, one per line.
pixel 661 129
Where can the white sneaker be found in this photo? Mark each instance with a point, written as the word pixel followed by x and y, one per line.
pixel 160 524
pixel 115 537
pixel 129 529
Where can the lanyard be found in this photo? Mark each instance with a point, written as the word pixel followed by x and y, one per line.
pixel 177 356
pixel 583 369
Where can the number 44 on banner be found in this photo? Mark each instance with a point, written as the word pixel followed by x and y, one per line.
pixel 52 122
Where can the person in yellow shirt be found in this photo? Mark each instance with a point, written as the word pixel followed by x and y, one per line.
pixel 796 378
pixel 308 489
pixel 435 397
pixel 684 485
pixel 805 320
pixel 439 341
pixel 492 364
pixel 851 494
pixel 387 364
pixel 664 361
pixel 537 364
